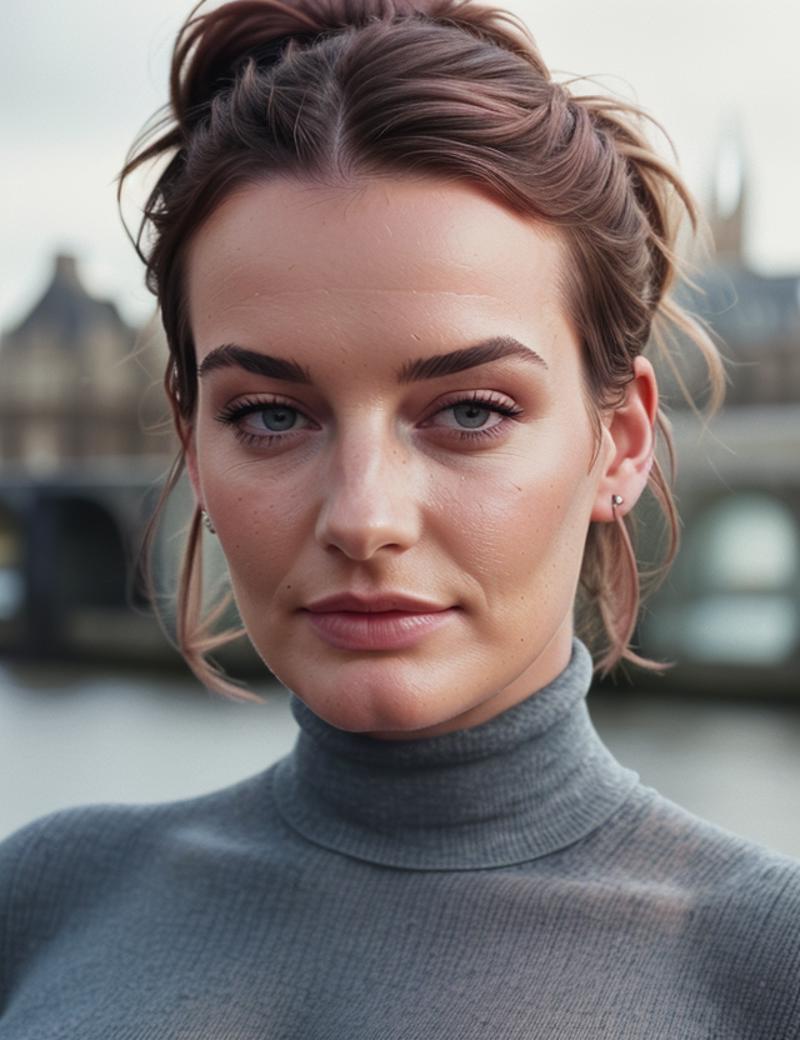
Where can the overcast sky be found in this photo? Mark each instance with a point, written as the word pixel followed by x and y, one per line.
pixel 78 78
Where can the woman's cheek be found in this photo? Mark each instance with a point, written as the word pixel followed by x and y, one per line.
pixel 528 518
pixel 258 530
pixel 260 493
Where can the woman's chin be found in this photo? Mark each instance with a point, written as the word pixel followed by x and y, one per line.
pixel 371 697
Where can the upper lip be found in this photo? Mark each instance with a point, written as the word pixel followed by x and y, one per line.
pixel 372 604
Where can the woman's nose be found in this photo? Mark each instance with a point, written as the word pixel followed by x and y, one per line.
pixel 369 501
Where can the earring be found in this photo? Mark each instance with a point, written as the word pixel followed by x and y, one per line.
pixel 619 520
pixel 207 521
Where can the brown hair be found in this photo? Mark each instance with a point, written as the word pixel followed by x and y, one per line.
pixel 331 90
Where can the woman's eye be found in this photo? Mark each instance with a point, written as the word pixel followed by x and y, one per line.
pixel 471 415
pixel 275 418
pixel 474 417
pixel 262 422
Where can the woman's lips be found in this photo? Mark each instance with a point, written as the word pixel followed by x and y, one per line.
pixel 376 630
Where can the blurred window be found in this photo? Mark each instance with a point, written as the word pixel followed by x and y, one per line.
pixel 748 543
pixel 744 557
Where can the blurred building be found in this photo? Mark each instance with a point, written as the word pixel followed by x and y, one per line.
pixel 83 447
pixel 729 614
pixel 77 383
pixel 755 317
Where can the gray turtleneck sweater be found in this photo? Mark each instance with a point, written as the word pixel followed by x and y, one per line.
pixel 509 881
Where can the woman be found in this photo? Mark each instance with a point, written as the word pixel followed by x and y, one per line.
pixel 407 281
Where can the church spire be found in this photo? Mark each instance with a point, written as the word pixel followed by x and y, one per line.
pixel 728 209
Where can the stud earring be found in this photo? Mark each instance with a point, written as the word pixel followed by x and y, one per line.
pixel 207 521
pixel 617 500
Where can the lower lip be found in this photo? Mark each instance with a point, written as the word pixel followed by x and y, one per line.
pixel 381 630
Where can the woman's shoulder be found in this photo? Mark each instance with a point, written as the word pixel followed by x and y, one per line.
pixel 701 899
pixel 726 903
pixel 78 871
pixel 665 839
pixel 90 848
pixel 683 834
pixel 736 886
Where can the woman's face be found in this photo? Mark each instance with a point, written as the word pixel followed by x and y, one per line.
pixel 358 464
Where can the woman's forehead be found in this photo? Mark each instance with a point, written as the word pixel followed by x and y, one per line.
pixel 396 246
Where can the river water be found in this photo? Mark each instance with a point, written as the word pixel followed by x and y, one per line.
pixel 71 735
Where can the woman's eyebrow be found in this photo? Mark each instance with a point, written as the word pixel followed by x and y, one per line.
pixel 430 367
pixel 468 357
pixel 229 355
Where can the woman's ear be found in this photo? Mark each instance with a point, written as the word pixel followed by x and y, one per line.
pixel 629 456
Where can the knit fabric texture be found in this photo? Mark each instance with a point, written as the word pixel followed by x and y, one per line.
pixel 511 881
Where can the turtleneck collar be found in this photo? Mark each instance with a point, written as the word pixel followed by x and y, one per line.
pixel 529 781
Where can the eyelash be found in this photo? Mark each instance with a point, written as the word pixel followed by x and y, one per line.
pixel 232 415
